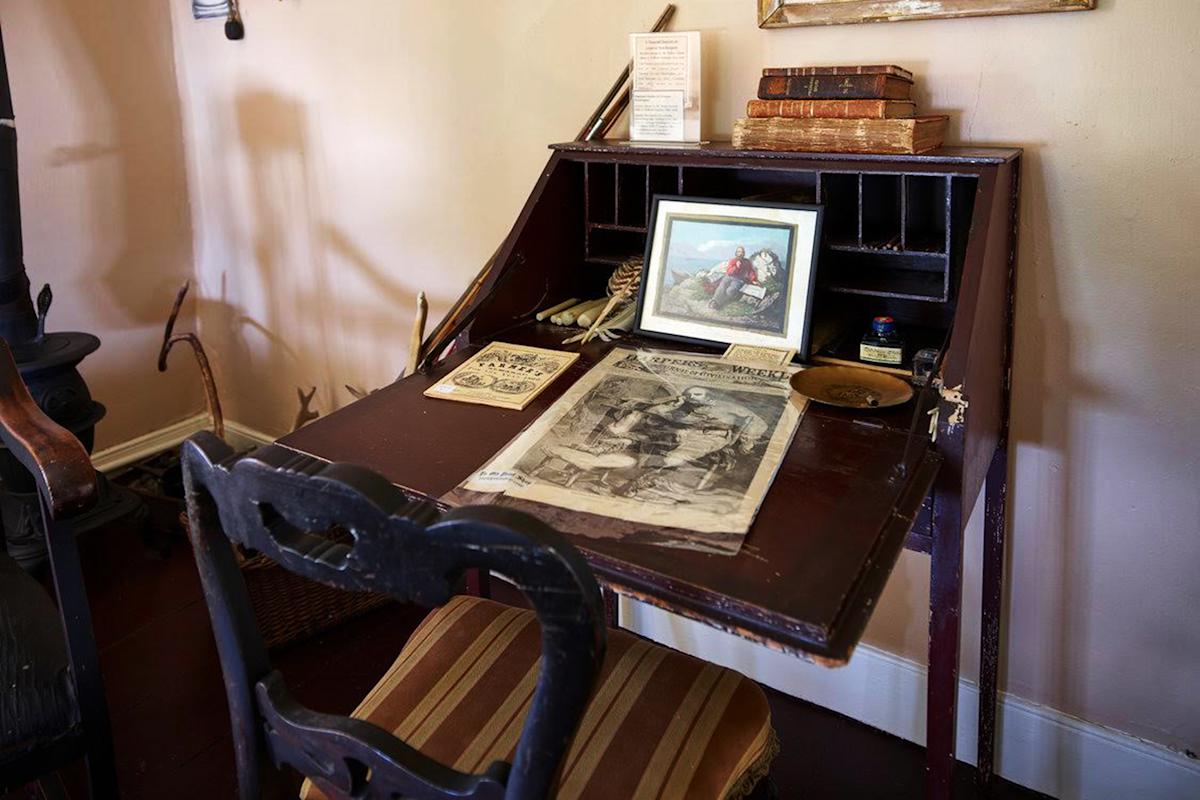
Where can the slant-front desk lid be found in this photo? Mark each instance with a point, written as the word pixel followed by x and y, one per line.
pixel 812 567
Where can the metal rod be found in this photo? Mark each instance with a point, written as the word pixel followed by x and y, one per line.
pixel 596 120
pixel 614 113
pixel 448 328
pixel 599 121
pixel 453 322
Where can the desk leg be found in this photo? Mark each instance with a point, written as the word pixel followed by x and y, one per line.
pixel 612 608
pixel 945 613
pixel 993 592
pixel 479 582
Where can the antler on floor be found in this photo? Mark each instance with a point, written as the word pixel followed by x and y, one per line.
pixel 170 339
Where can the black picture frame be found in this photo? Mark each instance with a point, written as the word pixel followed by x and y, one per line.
pixel 802 347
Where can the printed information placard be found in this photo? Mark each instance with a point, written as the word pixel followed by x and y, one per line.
pixel 665 100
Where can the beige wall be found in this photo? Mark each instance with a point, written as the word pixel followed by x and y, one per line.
pixel 104 193
pixel 349 154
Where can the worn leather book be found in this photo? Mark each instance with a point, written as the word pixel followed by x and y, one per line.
pixel 840 109
pixel 834 87
pixel 873 69
pixel 900 136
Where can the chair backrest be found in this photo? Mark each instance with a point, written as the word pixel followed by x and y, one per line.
pixel 67 486
pixel 282 503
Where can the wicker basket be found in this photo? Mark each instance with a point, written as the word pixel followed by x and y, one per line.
pixel 290 608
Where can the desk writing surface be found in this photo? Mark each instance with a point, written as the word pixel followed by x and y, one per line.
pixel 810 569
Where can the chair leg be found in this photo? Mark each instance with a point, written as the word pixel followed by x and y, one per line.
pixel 84 659
pixel 612 607
pixel 764 790
pixel 52 788
pixel 479 583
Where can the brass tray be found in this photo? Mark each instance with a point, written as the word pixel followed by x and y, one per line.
pixel 851 387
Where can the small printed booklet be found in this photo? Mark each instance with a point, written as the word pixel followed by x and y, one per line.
pixel 503 375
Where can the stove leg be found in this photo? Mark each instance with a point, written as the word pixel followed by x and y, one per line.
pixel 25 540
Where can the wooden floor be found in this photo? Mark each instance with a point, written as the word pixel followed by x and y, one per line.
pixel 170 724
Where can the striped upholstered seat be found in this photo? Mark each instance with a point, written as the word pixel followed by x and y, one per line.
pixel 661 725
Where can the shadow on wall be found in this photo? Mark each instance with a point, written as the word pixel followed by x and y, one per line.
pixel 130 56
pixel 1043 390
pixel 292 268
pixel 287 273
pixel 106 212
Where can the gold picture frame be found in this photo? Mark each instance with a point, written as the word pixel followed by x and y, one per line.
pixel 794 13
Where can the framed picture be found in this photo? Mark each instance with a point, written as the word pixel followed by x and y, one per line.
pixel 730 272
pixel 790 13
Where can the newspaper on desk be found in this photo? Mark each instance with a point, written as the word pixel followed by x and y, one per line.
pixel 670 448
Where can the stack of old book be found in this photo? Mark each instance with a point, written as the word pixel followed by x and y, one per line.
pixel 865 109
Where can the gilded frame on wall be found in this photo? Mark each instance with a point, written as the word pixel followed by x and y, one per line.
pixel 792 13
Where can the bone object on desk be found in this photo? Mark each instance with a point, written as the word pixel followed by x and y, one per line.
pixel 418 334
pixel 611 330
pixel 557 317
pixel 589 316
pixel 552 310
pixel 569 316
pixel 587 312
pixel 414 347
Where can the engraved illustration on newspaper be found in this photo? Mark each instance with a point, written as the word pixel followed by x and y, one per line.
pixel 682 441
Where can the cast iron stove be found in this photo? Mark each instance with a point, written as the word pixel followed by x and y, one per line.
pixel 47 361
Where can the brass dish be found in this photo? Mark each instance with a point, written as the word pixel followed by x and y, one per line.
pixel 851 387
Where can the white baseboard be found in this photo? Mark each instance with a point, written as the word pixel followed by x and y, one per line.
pixel 1037 747
pixel 117 456
pixel 120 455
pixel 242 436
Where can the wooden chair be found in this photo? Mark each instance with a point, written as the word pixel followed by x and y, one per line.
pixel 52 705
pixel 485 700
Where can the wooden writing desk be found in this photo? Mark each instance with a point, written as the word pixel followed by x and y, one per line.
pixel 814 562
pixel 851 494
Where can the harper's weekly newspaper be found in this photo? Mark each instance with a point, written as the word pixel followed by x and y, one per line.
pixel 668 448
